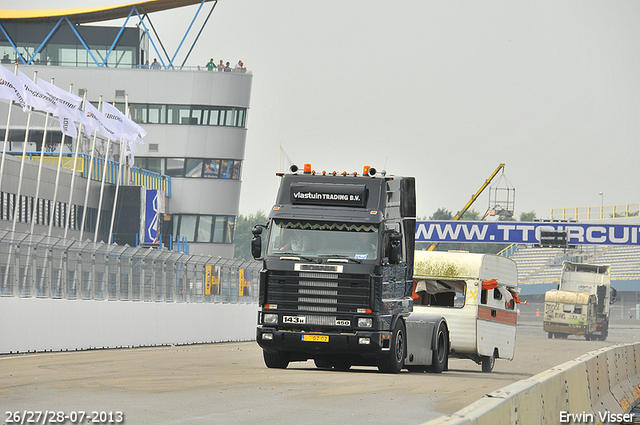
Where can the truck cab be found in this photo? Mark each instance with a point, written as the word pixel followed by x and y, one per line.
pixel 336 280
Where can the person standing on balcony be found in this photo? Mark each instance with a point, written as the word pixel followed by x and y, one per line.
pixel 210 65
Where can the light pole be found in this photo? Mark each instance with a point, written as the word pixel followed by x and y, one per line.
pixel 601 205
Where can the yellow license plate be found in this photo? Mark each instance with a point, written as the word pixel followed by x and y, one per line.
pixel 315 338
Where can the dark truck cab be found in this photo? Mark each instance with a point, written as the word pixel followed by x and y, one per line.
pixel 337 275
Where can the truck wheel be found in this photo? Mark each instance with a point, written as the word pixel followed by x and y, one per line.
pixel 275 360
pixel 550 335
pixel 488 362
pixel 393 361
pixel 440 356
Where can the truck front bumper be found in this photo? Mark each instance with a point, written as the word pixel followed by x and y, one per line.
pixel 311 344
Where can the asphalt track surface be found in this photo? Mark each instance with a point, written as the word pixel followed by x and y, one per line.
pixel 229 384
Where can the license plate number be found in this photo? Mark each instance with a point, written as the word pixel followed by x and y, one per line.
pixel 343 322
pixel 315 338
pixel 294 319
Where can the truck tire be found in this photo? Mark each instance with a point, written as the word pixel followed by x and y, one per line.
pixel 488 362
pixel 550 335
pixel 440 356
pixel 393 361
pixel 275 360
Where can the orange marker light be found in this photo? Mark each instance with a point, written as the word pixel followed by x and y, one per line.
pixel 366 170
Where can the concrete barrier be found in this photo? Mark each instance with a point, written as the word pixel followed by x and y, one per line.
pixel 33 324
pixel 598 388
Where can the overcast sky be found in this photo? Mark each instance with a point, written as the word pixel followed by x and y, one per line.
pixel 441 90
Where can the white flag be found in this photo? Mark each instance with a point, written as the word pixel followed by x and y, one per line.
pixel 113 119
pixel 36 96
pixel 12 88
pixel 68 108
pixel 95 122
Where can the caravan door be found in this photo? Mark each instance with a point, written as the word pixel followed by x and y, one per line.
pixel 496 325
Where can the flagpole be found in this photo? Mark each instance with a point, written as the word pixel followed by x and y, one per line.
pixel 104 177
pixel 24 154
pixel 115 199
pixel 86 195
pixel 75 166
pixel 35 201
pixel 6 140
pixel 58 169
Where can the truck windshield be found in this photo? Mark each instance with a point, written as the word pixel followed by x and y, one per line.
pixel 323 239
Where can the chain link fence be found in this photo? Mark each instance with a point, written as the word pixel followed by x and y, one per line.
pixel 54 267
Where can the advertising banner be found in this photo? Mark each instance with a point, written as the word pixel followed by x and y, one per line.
pixel 525 232
pixel 153 216
pixel 212 280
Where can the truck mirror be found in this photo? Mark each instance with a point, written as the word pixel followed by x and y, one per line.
pixel 395 247
pixel 614 294
pixel 256 241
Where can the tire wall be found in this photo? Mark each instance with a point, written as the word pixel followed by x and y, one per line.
pixel 605 380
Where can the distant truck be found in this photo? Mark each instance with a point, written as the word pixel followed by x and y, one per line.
pixel 477 296
pixel 581 304
pixel 337 275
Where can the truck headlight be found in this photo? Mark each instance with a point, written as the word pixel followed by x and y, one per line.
pixel 365 322
pixel 270 319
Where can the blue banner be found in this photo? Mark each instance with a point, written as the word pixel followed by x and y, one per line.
pixel 152 216
pixel 525 232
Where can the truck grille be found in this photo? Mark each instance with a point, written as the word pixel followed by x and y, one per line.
pixel 318 292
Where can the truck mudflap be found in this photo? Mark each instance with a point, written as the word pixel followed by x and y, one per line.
pixel 308 345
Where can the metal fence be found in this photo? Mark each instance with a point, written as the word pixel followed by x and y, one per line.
pixel 54 267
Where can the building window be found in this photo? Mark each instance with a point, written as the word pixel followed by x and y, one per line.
pixel 144 113
pixel 175 167
pixel 192 167
pixel 204 228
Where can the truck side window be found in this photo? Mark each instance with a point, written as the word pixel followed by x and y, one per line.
pixel 483 297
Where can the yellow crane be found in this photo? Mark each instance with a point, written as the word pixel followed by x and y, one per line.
pixel 464 209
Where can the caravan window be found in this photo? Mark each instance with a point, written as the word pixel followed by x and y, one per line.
pixel 440 293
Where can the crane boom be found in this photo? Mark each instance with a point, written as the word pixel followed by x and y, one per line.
pixel 464 209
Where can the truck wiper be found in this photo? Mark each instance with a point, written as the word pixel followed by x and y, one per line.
pixel 295 256
pixel 342 257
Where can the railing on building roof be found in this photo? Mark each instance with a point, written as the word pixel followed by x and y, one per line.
pixel 596 213
pixel 130 176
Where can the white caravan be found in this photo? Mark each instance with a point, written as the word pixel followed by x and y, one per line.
pixel 477 295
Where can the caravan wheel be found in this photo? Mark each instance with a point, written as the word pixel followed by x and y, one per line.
pixel 488 362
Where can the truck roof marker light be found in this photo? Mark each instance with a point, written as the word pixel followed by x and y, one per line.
pixel 313 172
pixel 307 168
pixel 355 174
pixel 279 174
pixel 324 173
pixel 334 173
pixel 344 173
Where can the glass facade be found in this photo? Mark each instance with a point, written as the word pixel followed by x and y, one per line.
pixel 204 228
pixel 149 113
pixel 192 167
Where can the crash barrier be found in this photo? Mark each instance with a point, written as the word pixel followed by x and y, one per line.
pixel 599 387
pixel 63 294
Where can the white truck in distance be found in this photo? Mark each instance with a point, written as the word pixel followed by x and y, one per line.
pixel 564 312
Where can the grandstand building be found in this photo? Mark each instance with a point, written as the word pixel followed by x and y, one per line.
pixel 195 121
